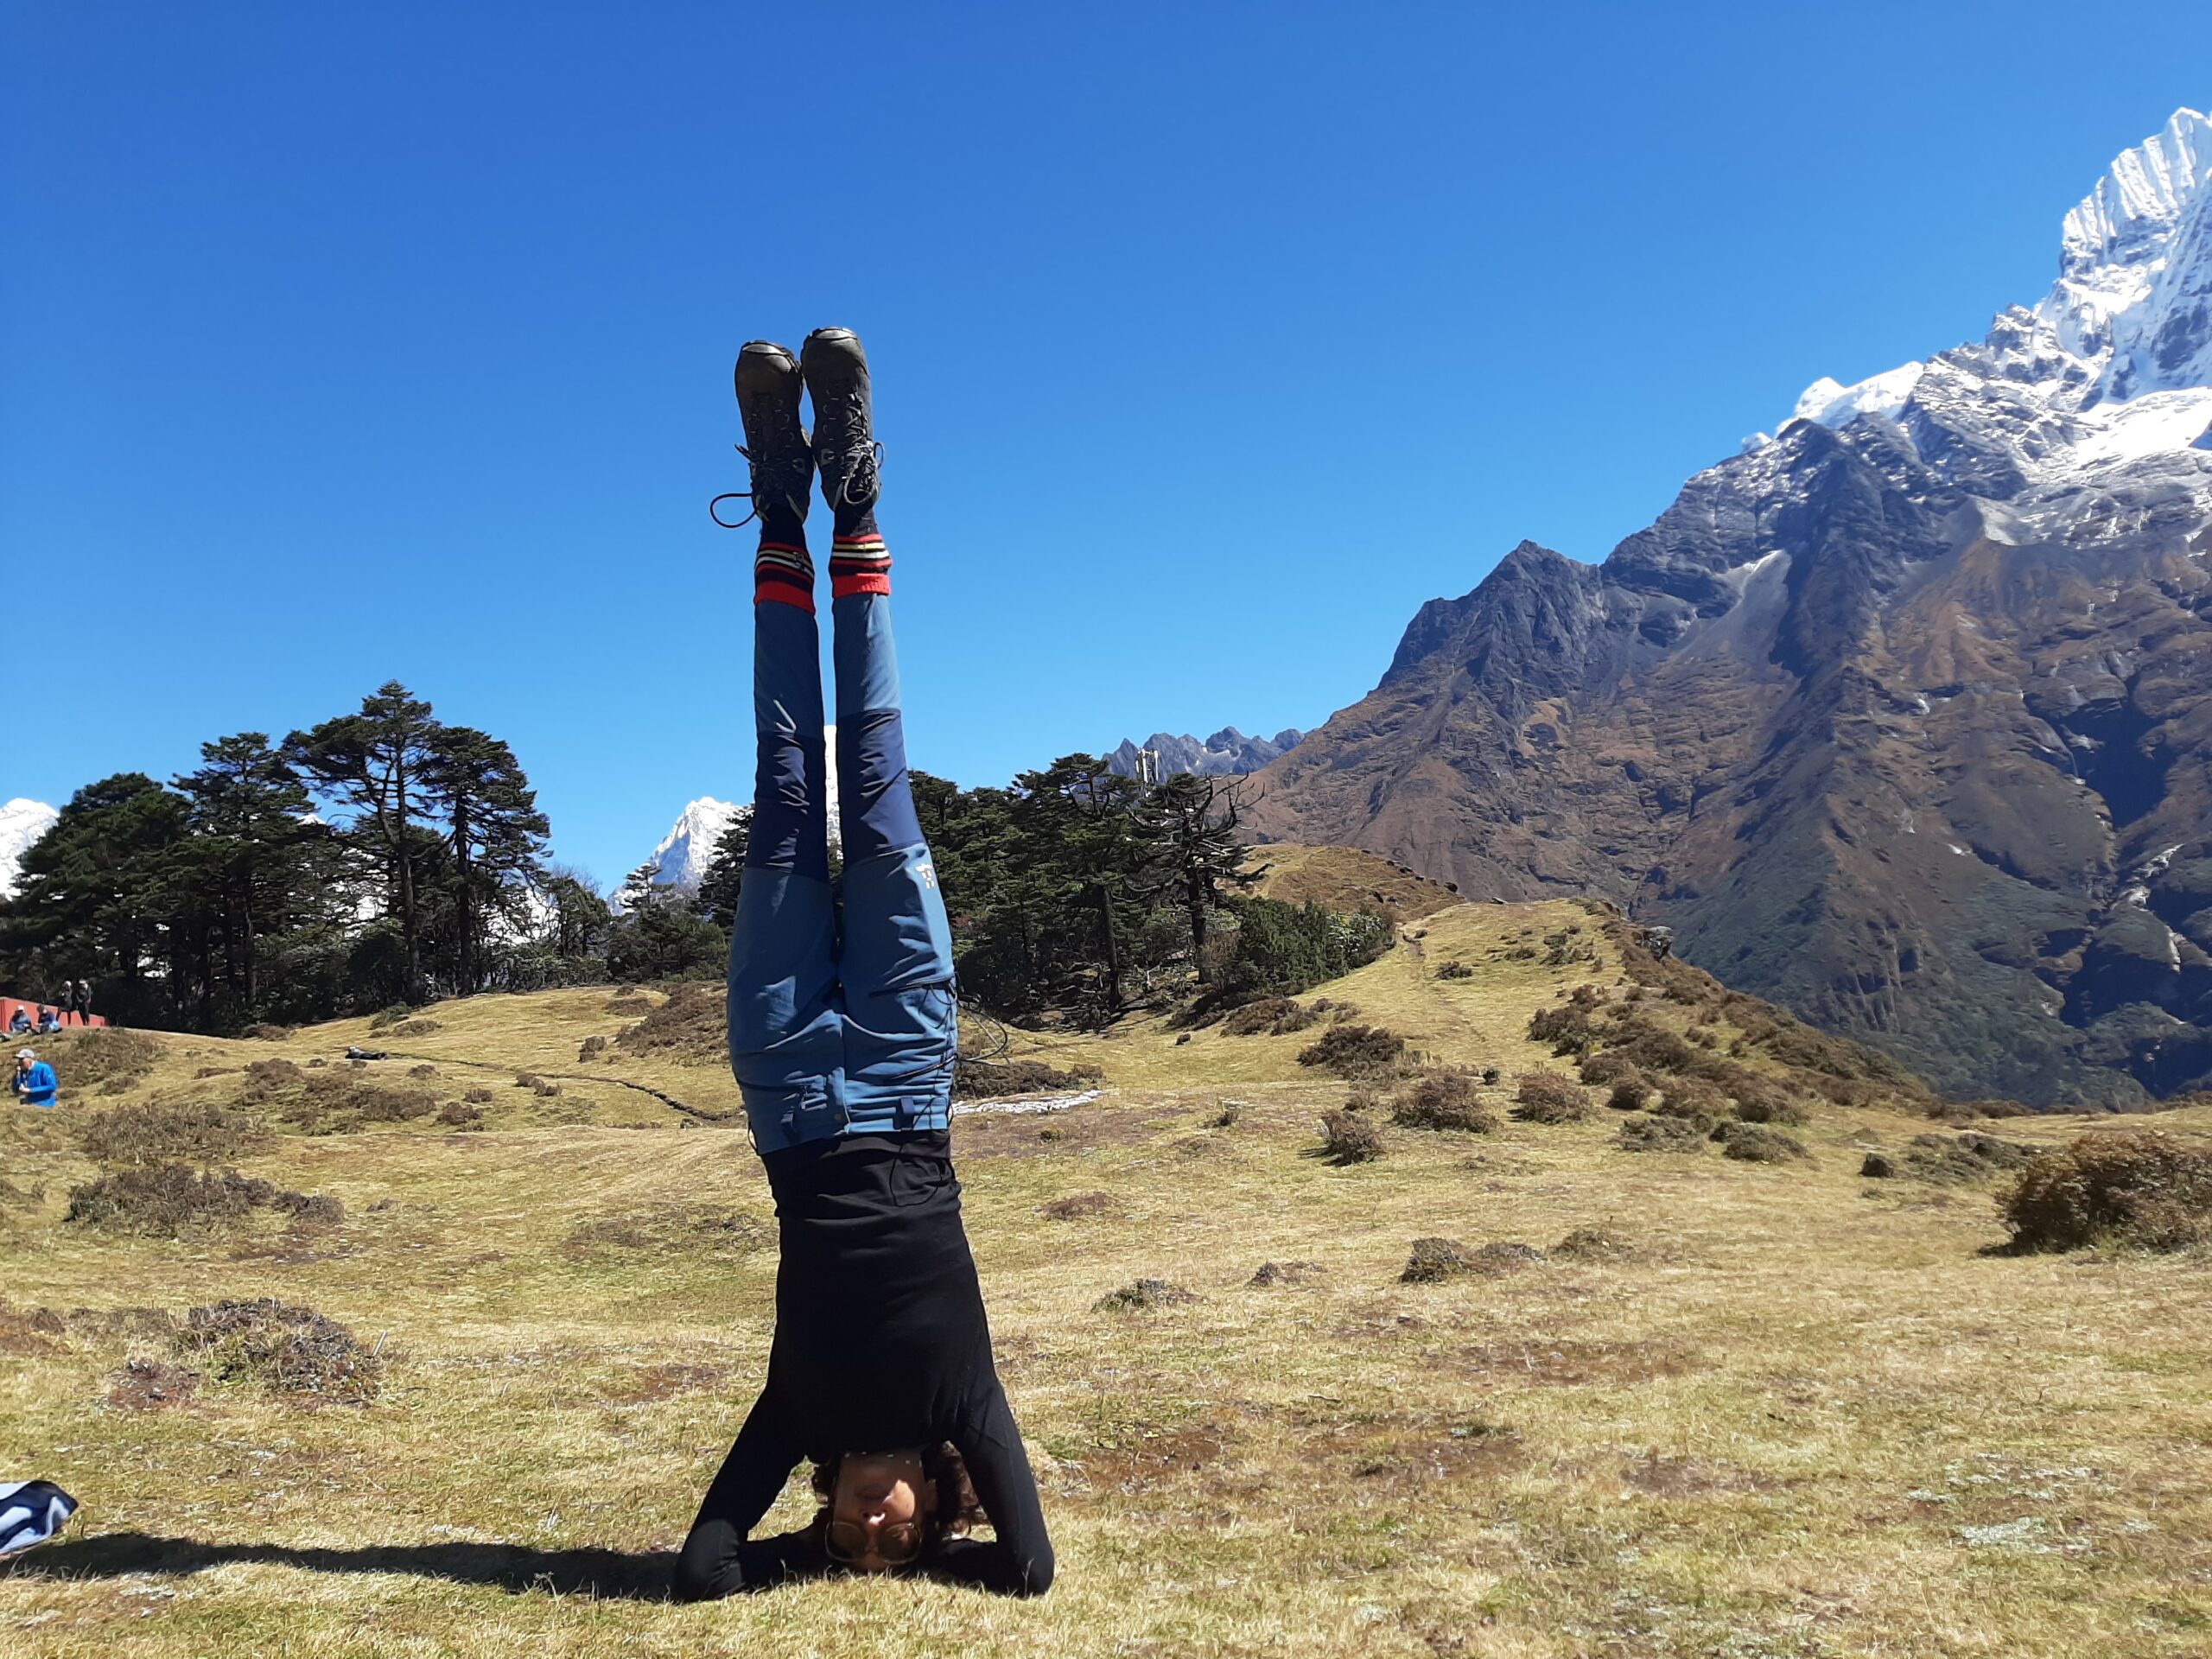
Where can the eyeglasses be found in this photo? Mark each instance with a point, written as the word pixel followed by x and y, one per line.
pixel 847 1542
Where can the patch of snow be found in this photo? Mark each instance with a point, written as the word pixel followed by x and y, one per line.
pixel 1955 848
pixel 2160 860
pixel 1025 1107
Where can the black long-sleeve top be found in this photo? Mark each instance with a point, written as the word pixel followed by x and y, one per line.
pixel 881 1343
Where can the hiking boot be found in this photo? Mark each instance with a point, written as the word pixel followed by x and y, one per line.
pixel 768 386
pixel 846 453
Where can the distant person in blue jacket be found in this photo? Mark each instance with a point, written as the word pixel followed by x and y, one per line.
pixel 20 1023
pixel 33 1082
pixel 48 1021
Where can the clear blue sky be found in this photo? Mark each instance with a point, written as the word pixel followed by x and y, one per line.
pixel 342 343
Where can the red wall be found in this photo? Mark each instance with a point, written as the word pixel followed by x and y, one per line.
pixel 9 1004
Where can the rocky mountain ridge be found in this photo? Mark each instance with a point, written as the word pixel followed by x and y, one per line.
pixel 1900 717
pixel 1228 753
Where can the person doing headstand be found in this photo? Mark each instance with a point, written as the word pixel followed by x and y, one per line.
pixel 880 1371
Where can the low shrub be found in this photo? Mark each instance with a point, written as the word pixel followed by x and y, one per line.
pixel 1141 1294
pixel 282 1348
pixel 399 1014
pixel 116 1060
pixel 1757 1105
pixel 692 1026
pixel 1565 1027
pixel 265 1032
pixel 1354 1050
pixel 1592 1244
pixel 1275 1016
pixel 592 1049
pixel 1078 1205
pixel 195 1132
pixel 171 1200
pixel 1349 1137
pixel 459 1115
pixel 2140 1188
pixel 1956 1160
pixel 339 1102
pixel 1606 1065
pixel 1433 1259
pixel 1455 969
pixel 1550 1098
pixel 478 1096
pixel 425 1071
pixel 1630 1094
pixel 1443 1098
pixel 1756 1143
pixel 1661 1134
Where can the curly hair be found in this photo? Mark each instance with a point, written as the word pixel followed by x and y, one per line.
pixel 958 1510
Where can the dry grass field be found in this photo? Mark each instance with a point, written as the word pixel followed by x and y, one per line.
pixel 1726 1408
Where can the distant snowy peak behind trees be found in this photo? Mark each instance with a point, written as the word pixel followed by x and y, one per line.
pixel 21 823
pixel 1228 753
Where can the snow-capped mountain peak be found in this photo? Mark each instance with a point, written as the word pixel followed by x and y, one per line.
pixel 685 851
pixel 2110 368
pixel 21 823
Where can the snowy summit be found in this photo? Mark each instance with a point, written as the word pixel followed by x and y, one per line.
pixel 2111 367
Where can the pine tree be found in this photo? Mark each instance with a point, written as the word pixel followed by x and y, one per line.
pixel 1189 823
pixel 372 764
pixel 494 835
pixel 716 899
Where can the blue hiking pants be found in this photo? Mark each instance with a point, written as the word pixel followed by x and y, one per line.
pixel 828 1041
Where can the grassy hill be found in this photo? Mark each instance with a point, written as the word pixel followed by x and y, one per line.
pixel 1734 1407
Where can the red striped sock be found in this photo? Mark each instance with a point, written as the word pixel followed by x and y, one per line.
pixel 858 564
pixel 785 573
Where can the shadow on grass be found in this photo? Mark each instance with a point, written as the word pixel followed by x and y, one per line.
pixel 607 1574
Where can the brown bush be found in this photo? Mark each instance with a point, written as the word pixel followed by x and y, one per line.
pixel 1754 1143
pixel 1550 1098
pixel 1956 1160
pixel 114 1059
pixel 592 1049
pixel 281 1348
pixel 1354 1050
pixel 1653 1048
pixel 1565 1027
pixel 1630 1094
pixel 196 1131
pixel 1455 969
pixel 1276 1016
pixel 1443 1098
pixel 1607 1065
pixel 1350 1138
pixel 1141 1294
pixel 461 1115
pixel 1078 1205
pixel 1691 1097
pixel 417 1029
pixel 171 1200
pixel 1433 1259
pixel 399 1014
pixel 1661 1134
pixel 2141 1187
pixel 692 1027
pixel 425 1071
pixel 337 1102
pixel 1757 1105
pixel 265 1032
pixel 478 1096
